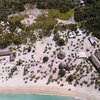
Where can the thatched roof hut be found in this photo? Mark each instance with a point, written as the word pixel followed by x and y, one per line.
pixel 64 66
pixel 61 55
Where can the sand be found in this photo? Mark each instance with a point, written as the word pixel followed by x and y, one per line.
pixel 17 85
pixel 51 90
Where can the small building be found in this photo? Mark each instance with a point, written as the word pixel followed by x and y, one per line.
pixel 81 55
pixel 97 54
pixel 7 53
pixel 79 32
pixel 82 2
pixel 93 40
pixel 94 60
pixel 71 34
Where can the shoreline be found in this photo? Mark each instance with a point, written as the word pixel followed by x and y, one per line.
pixel 56 91
pixel 29 74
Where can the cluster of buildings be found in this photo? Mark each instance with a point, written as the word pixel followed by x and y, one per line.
pixel 72 34
pixel 95 56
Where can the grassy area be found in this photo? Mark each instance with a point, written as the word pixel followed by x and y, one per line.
pixel 64 16
pixel 43 22
pixel 81 23
pixel 17 18
pixel 48 22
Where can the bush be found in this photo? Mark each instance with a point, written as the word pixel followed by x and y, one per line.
pixel 72 27
pixel 59 41
pixel 45 59
pixel 45 23
pixel 29 49
pixel 57 14
pixel 33 38
pixel 70 78
pixel 62 73
pixel 89 16
pixel 17 19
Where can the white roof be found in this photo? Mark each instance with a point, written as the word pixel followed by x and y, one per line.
pixel 72 34
pixel 2 23
pixel 81 1
pixel 80 32
pixel 81 55
pixel 93 40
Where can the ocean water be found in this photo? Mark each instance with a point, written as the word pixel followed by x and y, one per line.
pixel 33 97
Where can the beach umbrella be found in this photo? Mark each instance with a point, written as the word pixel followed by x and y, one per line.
pixel 45 59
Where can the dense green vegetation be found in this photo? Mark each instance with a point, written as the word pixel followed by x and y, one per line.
pixel 48 23
pixel 87 16
pixel 57 14
pixel 8 38
pixel 43 22
pixel 17 19
pixel 70 78
pixel 61 5
pixel 62 73
pixel 12 6
pixel 59 41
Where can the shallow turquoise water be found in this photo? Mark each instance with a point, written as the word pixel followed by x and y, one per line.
pixel 33 97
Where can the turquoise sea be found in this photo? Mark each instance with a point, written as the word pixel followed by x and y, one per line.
pixel 33 97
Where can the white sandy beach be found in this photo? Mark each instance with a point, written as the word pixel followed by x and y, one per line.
pixel 16 84
pixel 37 75
pixel 83 94
pixel 36 67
